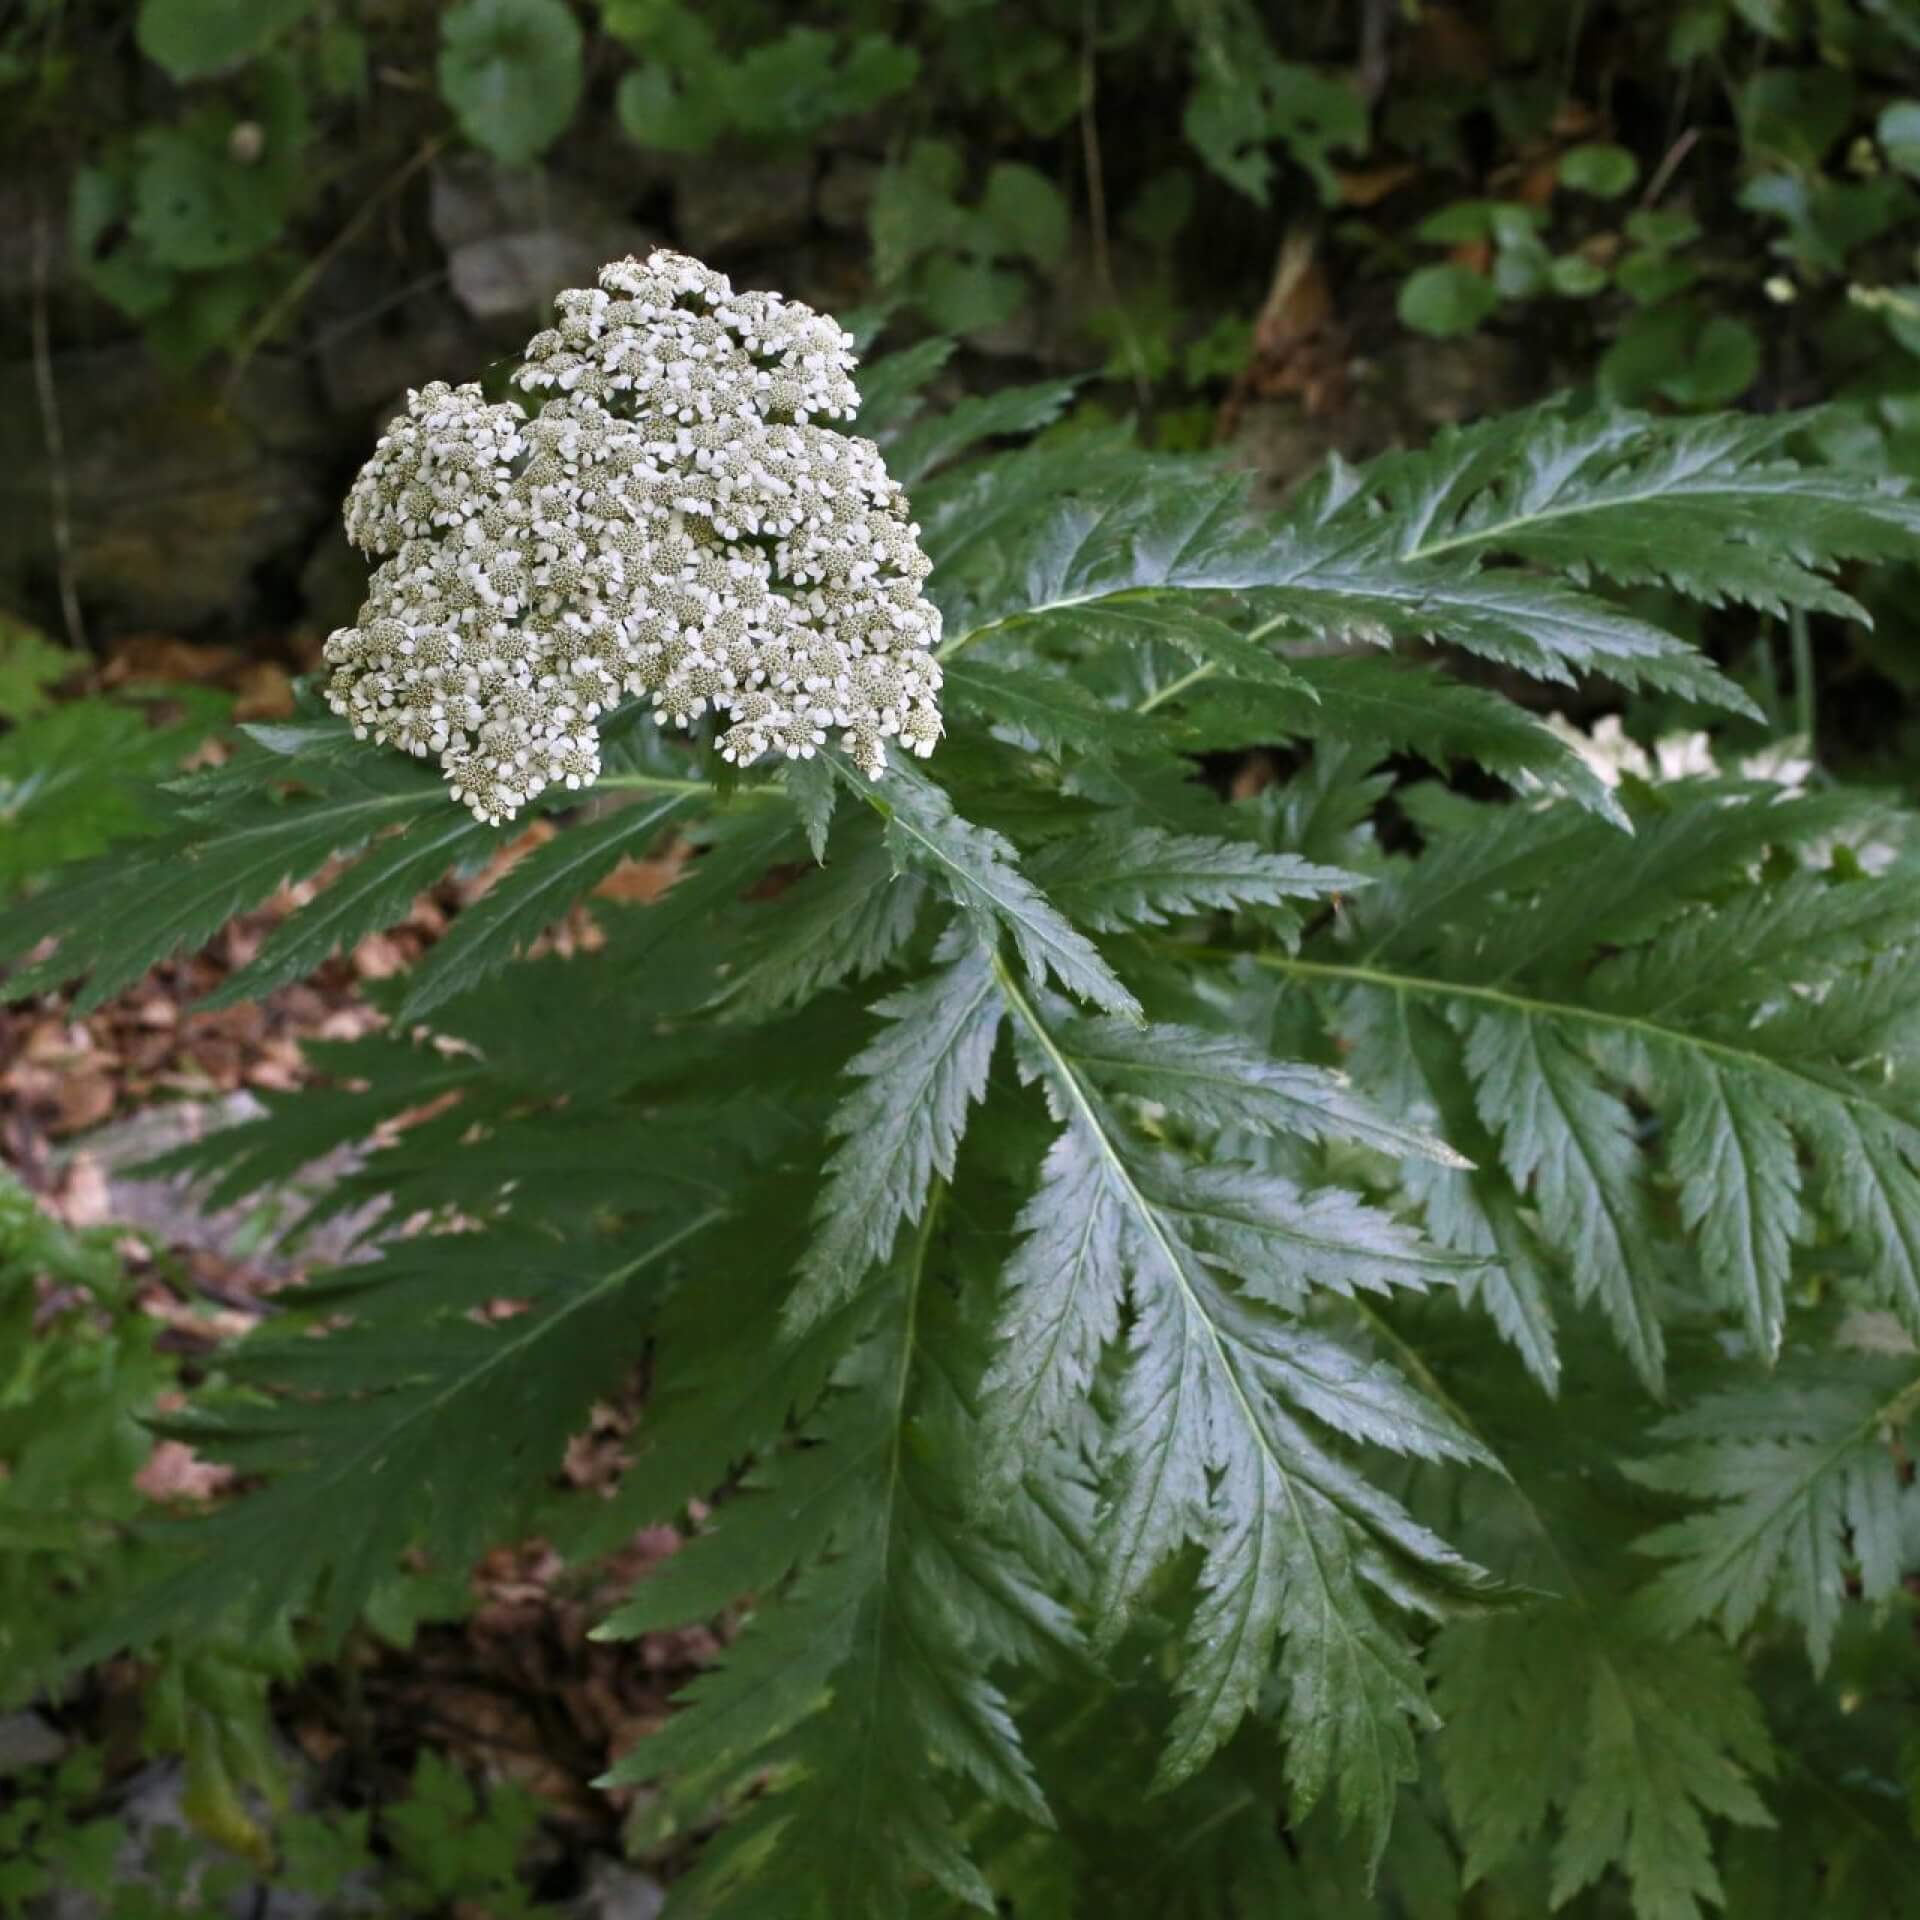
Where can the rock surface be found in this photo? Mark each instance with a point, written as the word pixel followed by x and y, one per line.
pixel 179 492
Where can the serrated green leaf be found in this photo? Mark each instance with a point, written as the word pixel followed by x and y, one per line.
pixel 1205 1440
pixel 416 1441
pixel 534 893
pixel 1052 708
pixel 1145 876
pixel 192 38
pixel 899 1129
pixel 511 71
pixel 1805 1490
pixel 848 1686
pixel 1411 709
pixel 1566 1137
pixel 68 778
pixel 915 451
pixel 812 789
pixel 1634 1745
pixel 845 922
pixel 373 893
pixel 1216 1080
pixel 981 871
pixel 118 915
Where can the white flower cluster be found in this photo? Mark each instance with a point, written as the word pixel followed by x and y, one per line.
pixel 1613 753
pixel 669 523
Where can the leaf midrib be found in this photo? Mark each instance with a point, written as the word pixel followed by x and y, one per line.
pixel 868 1683
pixel 1819 1462
pixel 1149 1216
pixel 1529 1007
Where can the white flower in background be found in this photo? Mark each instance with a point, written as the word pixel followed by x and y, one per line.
pixel 1786 763
pixel 1613 753
pixel 671 523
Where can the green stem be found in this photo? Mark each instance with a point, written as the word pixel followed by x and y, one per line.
pixel 1174 688
pixel 1206 670
pixel 1740 1059
pixel 1425 987
pixel 655 783
pixel 1801 643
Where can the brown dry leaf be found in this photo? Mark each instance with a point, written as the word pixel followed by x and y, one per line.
pixel 319 1743
pixel 472 887
pixel 1299 346
pixel 1255 774
pixel 378 957
pixel 280 1069
pixel 638 883
pixel 1538 181
pixel 174 1473
pixel 204 1328
pixel 1445 43
pixel 1368 186
pixel 1574 120
pixel 159 656
pixel 348 1023
pixel 262 691
pixel 81 1100
pixel 395 1124
pixel 30 1084
pixel 81 1199
pixel 241 942
pixel 54 1040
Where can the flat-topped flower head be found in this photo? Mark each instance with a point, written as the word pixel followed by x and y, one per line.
pixel 673 522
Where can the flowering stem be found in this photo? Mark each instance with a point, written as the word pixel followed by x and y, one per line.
pixel 1803 682
pixel 1204 671
pixel 659 783
pixel 1174 688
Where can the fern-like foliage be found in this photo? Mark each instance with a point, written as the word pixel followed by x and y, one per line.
pixel 1263 1352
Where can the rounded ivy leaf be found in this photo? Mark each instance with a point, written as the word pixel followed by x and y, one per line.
pixel 1575 276
pixel 510 70
pixel 965 294
pixel 915 208
pixel 1459 224
pixel 1681 352
pixel 1025 214
pixel 194 205
pixel 191 38
pixel 1161 210
pixel 119 270
pixel 1521 272
pixel 1726 362
pixel 1650 277
pixel 1898 132
pixel 1446 299
pixel 1794 114
pixel 1604 171
pixel 654 112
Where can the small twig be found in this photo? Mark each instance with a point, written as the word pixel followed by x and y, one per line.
pixel 1097 205
pixel 1668 167
pixel 308 277
pixel 351 323
pixel 1375 67
pixel 59 499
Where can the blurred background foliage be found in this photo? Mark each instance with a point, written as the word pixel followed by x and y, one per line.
pixel 238 229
